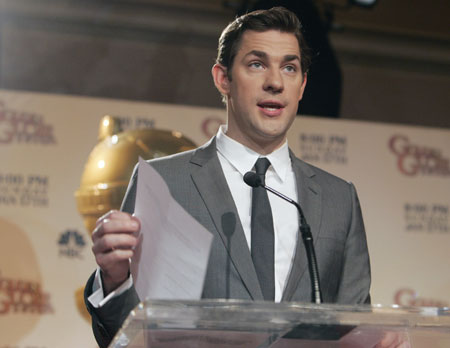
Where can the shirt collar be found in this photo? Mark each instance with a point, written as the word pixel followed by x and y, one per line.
pixel 243 158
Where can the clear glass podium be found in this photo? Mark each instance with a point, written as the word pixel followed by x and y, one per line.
pixel 226 324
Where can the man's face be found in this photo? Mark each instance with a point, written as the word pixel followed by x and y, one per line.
pixel 266 85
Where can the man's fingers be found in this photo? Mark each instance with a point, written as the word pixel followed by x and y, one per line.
pixel 394 339
pixel 114 242
pixel 130 225
pixel 135 218
pixel 115 215
pixel 106 260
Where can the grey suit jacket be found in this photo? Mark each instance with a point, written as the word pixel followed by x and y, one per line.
pixel 330 205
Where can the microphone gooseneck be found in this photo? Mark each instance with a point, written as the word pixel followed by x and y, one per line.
pixel 252 179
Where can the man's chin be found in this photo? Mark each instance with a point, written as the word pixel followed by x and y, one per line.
pixel 274 138
pixel 272 133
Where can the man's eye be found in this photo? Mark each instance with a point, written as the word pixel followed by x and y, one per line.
pixel 290 68
pixel 256 65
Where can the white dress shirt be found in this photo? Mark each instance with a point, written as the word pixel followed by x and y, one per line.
pixel 236 160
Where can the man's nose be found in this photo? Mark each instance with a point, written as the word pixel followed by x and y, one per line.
pixel 274 81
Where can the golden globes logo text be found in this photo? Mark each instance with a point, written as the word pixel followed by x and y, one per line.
pixel 414 159
pixel 22 296
pixel 24 127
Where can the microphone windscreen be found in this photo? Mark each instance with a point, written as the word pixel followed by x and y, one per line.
pixel 252 179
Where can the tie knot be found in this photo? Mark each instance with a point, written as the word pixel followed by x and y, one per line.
pixel 261 166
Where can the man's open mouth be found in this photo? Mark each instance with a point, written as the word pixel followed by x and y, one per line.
pixel 271 106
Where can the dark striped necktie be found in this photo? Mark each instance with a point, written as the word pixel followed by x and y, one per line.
pixel 262 234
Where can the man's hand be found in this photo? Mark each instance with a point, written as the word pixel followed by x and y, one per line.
pixel 115 237
pixel 394 339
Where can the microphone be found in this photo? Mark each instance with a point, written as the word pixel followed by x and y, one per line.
pixel 252 179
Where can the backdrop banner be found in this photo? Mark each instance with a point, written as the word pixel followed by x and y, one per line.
pixel 402 174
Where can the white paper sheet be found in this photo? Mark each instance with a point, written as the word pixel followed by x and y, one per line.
pixel 171 260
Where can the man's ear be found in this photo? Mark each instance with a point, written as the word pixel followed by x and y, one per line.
pixel 220 76
pixel 302 89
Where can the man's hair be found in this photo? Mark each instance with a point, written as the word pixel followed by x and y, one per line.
pixel 277 18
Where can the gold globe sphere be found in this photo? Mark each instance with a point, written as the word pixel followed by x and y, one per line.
pixel 111 162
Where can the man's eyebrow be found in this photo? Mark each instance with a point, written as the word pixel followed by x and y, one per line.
pixel 263 55
pixel 291 57
pixel 259 54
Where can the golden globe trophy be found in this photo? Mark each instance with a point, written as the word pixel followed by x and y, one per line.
pixel 109 168
pixel 111 162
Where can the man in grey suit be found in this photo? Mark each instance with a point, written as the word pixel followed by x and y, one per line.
pixel 261 74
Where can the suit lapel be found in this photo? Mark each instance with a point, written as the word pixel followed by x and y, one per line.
pixel 309 198
pixel 211 184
